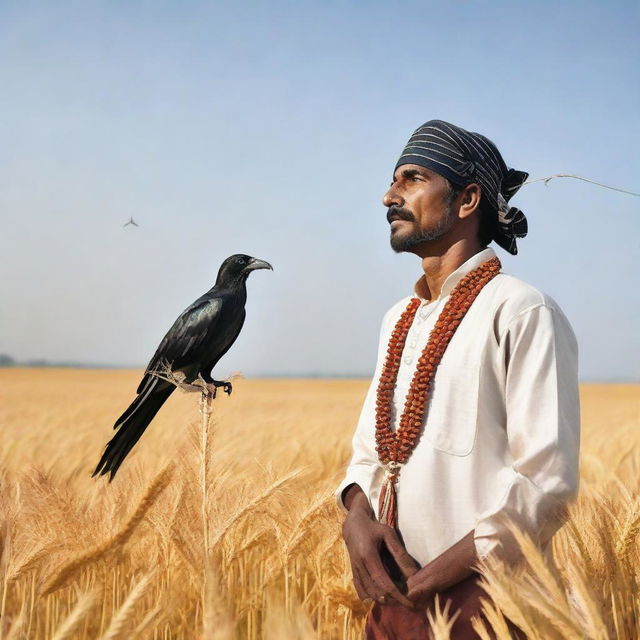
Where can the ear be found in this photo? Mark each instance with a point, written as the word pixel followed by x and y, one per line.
pixel 469 199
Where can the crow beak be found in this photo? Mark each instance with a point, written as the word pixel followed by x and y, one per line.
pixel 258 264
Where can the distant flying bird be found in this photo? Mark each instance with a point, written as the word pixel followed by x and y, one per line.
pixel 200 336
pixel 132 222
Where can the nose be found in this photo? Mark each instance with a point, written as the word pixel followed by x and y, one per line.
pixel 392 197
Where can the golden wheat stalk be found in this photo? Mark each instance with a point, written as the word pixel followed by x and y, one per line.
pixel 67 571
pixel 439 622
pixel 4 570
pixel 483 631
pixel 578 540
pixel 505 588
pixel 15 632
pixel 282 623
pixel 217 623
pixel 206 400
pixel 498 628
pixel 589 608
pixel 146 622
pixel 120 624
pixel 553 597
pixel 68 627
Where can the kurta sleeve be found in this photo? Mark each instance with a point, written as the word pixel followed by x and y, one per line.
pixel 543 429
pixel 364 459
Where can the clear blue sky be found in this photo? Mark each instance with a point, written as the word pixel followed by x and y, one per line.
pixel 271 128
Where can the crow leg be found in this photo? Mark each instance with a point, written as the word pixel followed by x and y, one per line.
pixel 199 384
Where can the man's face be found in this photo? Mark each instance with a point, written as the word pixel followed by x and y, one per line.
pixel 420 207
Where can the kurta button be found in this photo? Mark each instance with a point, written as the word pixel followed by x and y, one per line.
pixel 408 359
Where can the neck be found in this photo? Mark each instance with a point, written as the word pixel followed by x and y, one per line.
pixel 235 284
pixel 440 262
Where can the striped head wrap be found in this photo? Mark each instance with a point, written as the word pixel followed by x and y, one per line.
pixel 464 157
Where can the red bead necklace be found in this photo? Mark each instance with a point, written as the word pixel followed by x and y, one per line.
pixel 395 447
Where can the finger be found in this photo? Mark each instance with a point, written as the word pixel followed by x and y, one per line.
pixel 420 593
pixel 421 599
pixel 368 586
pixel 404 560
pixel 384 584
pixel 357 583
pixel 372 590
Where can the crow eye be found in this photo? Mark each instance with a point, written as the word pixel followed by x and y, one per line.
pixel 242 261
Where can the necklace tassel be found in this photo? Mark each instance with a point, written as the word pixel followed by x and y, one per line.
pixel 388 503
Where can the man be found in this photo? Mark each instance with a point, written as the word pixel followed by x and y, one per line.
pixel 472 416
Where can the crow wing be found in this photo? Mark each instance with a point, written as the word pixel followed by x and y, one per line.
pixel 218 356
pixel 183 343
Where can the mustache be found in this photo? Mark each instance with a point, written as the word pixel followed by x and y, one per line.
pixel 400 213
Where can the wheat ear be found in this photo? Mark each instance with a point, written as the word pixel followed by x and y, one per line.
pixel 629 532
pixel 495 618
pixel 440 623
pixel 71 568
pixel 252 504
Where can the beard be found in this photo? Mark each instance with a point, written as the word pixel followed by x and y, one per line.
pixel 401 242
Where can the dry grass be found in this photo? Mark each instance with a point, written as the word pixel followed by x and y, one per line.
pixel 84 559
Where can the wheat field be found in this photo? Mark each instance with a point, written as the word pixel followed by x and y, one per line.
pixel 232 531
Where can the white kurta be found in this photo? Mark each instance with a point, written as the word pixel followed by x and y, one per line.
pixel 502 427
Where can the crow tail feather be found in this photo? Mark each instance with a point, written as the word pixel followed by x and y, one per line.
pixel 131 426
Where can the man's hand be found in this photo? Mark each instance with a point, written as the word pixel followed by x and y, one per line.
pixel 420 591
pixel 445 571
pixel 365 539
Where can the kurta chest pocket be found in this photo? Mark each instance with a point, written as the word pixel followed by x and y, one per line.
pixel 452 412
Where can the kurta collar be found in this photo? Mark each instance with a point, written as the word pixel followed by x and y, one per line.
pixel 421 289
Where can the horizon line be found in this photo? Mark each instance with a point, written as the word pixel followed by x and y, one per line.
pixel 262 375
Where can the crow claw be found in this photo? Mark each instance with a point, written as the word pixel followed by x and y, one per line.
pixel 226 386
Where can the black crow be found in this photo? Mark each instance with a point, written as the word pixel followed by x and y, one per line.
pixel 200 336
